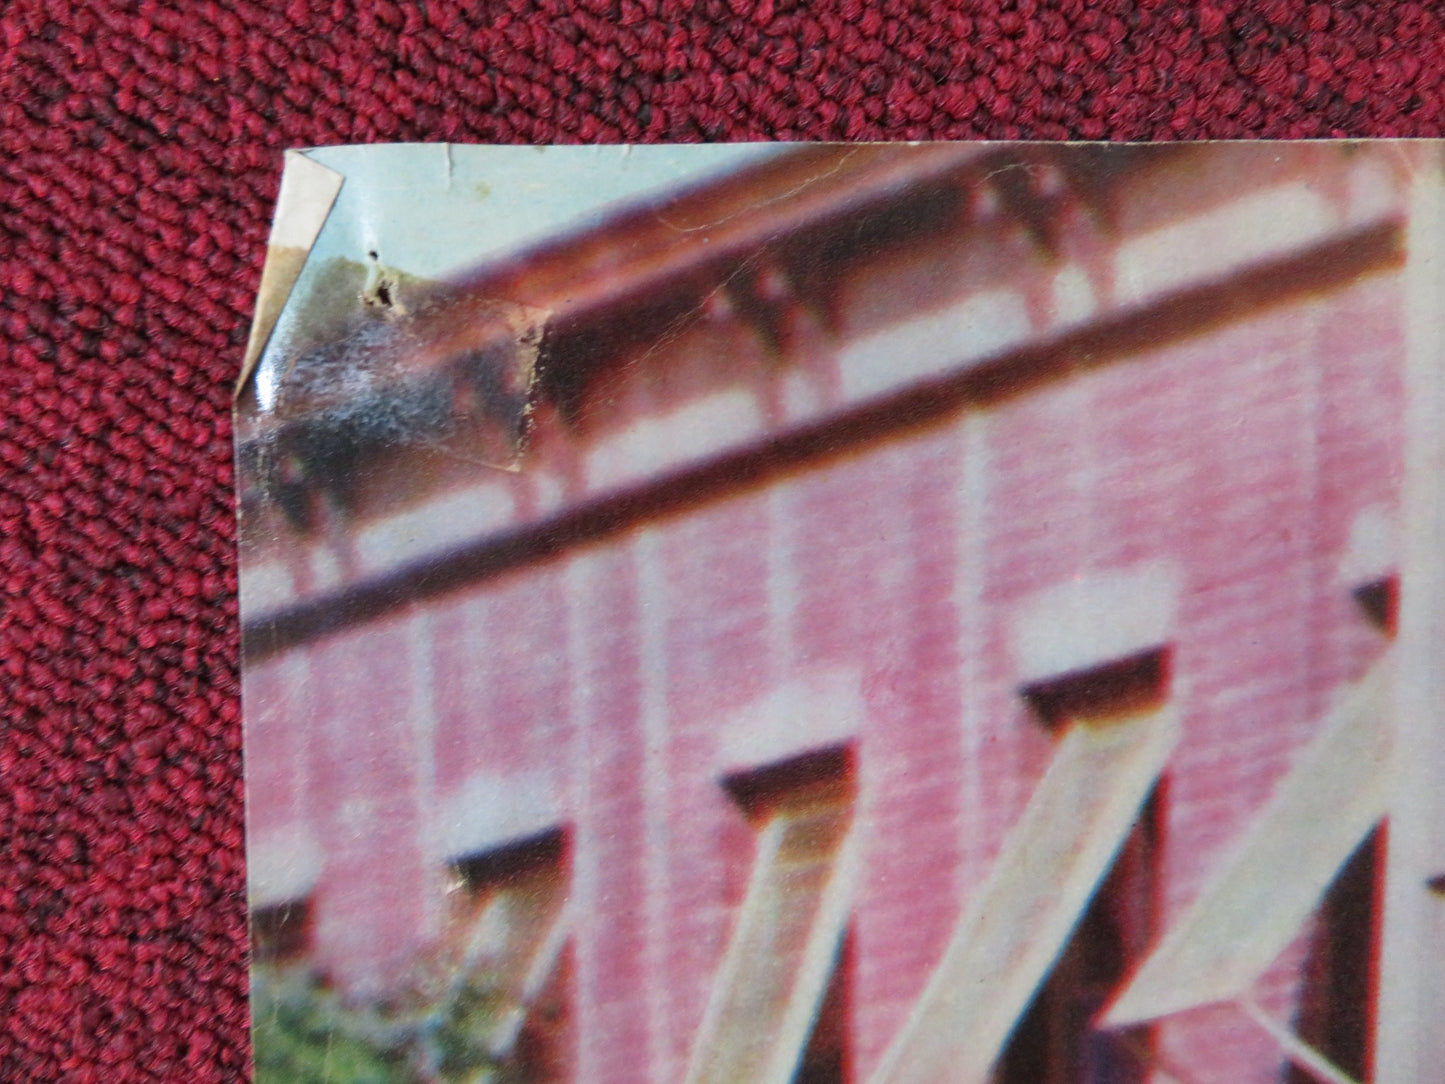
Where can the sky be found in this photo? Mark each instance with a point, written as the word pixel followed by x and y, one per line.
pixel 434 209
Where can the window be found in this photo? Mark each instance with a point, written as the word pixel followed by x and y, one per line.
pixel 280 932
pixel 510 926
pixel 779 1002
pixel 1016 943
pixel 1380 599
pixel 1310 851
pixel 282 868
pixel 1057 1041
pixel 827 1059
pixel 1339 978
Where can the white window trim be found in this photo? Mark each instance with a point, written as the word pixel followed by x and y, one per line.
pixel 1297 1050
pixel 1022 916
pixel 1094 619
pixel 282 866
pixel 535 973
pixel 811 979
pixel 539 971
pixel 815 711
pixel 1260 899
pixel 489 811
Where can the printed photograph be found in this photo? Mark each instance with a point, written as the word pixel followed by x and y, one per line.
pixel 847 614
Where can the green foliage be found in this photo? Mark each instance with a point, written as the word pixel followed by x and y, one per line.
pixel 305 1033
pixel 462 1031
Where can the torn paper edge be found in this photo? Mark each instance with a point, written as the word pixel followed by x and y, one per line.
pixel 303 204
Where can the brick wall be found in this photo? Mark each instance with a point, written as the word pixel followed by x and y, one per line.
pixel 610 688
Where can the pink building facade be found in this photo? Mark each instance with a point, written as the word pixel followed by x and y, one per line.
pixel 857 482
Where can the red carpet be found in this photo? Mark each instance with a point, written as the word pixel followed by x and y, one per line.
pixel 139 154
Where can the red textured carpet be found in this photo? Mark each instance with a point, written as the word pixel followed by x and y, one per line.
pixel 139 154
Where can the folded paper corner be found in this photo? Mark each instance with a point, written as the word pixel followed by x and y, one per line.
pixel 307 193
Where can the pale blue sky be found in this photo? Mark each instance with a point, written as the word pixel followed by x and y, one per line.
pixel 435 209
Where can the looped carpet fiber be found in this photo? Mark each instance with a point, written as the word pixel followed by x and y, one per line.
pixel 139 154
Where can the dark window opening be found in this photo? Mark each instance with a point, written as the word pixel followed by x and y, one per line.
pixel 1339 977
pixel 823 774
pixel 544 1045
pixel 514 863
pixel 1056 1042
pixel 1123 687
pixel 281 932
pixel 1380 599
pixel 827 1059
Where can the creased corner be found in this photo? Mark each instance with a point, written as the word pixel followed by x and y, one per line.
pixel 308 191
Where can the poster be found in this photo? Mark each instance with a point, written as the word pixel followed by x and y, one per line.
pixel 878 613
